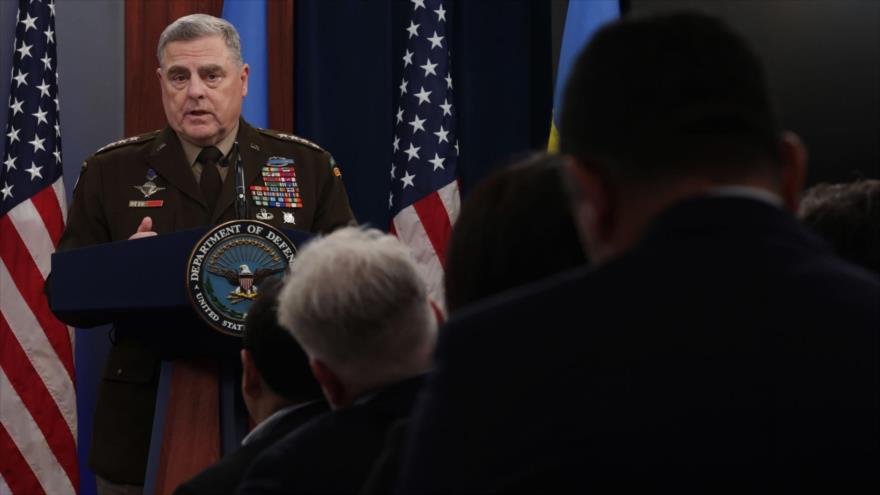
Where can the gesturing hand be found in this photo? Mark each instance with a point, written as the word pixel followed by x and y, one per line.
pixel 145 229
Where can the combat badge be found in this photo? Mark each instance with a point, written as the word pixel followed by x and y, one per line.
pixel 279 161
pixel 149 187
pixel 228 266
pixel 264 215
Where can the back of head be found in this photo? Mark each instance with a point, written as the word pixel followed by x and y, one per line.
pixel 355 300
pixel 667 96
pixel 281 361
pixel 516 227
pixel 848 217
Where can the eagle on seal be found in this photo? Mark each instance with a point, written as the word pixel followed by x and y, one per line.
pixel 244 280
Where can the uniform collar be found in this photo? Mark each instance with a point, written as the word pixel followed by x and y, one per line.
pixel 225 145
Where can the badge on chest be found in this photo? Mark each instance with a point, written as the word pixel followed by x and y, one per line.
pixel 279 188
pixel 148 189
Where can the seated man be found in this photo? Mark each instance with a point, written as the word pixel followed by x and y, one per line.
pixel 514 228
pixel 278 389
pixel 715 344
pixel 356 303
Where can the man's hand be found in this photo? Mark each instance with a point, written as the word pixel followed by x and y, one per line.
pixel 145 229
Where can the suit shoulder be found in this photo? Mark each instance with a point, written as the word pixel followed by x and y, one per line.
pixel 129 141
pixel 291 138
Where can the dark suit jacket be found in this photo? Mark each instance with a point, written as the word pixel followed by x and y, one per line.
pixel 102 211
pixel 225 475
pixel 335 453
pixel 728 350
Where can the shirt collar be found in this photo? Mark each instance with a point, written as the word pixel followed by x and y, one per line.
pixel 225 146
pixel 749 192
pixel 272 420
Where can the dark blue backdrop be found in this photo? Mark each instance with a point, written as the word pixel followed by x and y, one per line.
pixel 348 55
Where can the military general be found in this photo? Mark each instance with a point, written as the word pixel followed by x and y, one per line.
pixel 183 177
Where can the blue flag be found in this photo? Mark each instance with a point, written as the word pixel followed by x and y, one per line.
pixel 583 18
pixel 249 18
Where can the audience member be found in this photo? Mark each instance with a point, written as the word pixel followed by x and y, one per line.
pixel 357 305
pixel 516 227
pixel 847 216
pixel 715 345
pixel 278 388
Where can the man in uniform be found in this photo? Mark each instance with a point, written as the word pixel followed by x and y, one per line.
pixel 183 177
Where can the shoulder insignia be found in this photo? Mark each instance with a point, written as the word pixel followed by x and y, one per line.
pixel 129 140
pixel 334 167
pixel 291 137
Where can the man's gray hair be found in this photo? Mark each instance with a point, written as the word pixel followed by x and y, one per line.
pixel 355 300
pixel 196 26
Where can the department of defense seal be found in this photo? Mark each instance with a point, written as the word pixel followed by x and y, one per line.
pixel 227 267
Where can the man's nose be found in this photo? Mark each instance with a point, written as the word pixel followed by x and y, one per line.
pixel 196 88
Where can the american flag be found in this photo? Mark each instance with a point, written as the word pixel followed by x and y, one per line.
pixel 424 199
pixel 37 397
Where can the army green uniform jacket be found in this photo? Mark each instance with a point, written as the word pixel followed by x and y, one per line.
pixel 108 204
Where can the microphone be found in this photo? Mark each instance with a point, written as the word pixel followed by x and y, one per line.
pixel 241 206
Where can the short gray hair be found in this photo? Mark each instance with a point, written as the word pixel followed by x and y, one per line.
pixel 196 26
pixel 355 300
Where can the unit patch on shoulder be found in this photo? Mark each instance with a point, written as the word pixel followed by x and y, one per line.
pixel 334 167
pixel 291 137
pixel 128 140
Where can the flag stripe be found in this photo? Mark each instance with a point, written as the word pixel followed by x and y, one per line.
pixel 24 360
pixel 411 231
pixel 449 194
pixel 61 197
pixel 435 221
pixel 4 488
pixel 17 322
pixel 26 276
pixel 45 405
pixel 31 443
pixel 15 474
pixel 28 221
pixel 47 206
pixel 42 405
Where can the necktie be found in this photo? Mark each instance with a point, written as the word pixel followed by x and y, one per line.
pixel 210 182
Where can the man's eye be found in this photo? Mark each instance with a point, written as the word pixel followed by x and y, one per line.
pixel 178 78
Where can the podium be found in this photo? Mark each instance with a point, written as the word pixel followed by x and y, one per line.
pixel 199 414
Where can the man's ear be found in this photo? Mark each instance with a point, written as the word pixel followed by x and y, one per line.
pixel 251 380
pixel 794 169
pixel 334 388
pixel 593 205
pixel 245 72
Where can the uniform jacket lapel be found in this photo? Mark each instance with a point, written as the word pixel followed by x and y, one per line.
pixel 253 156
pixel 169 161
